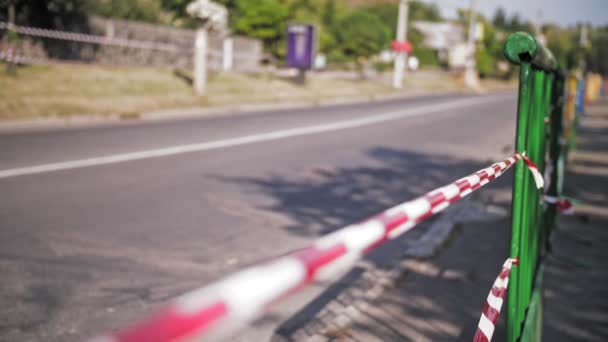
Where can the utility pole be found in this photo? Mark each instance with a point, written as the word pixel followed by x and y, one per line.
pixel 11 14
pixel 539 22
pixel 470 76
pixel 200 60
pixel 584 38
pixel 583 44
pixel 401 56
pixel 538 28
pixel 212 17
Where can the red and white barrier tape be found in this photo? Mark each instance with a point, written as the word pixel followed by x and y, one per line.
pixel 536 174
pixel 563 205
pixel 221 308
pixel 491 310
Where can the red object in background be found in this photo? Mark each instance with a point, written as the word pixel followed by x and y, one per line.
pixel 565 207
pixel 401 46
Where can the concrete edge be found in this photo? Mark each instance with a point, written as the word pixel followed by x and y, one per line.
pixel 78 121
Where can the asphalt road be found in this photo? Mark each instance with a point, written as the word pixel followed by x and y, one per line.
pixel 99 225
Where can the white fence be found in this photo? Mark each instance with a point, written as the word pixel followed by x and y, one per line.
pixel 120 42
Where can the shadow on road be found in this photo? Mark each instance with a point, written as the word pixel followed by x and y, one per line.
pixel 326 199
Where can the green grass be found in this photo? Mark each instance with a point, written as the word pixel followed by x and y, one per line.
pixel 67 90
pixel 60 90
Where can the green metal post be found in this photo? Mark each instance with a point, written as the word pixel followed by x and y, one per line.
pixel 523 109
pixel 533 103
pixel 530 221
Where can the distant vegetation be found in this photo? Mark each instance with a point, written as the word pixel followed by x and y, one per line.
pixel 349 30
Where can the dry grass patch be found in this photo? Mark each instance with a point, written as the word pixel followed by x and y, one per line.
pixel 66 90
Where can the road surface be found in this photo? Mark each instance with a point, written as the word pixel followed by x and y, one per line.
pixel 99 225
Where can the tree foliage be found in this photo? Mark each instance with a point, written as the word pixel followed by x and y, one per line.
pixel 50 14
pixel 138 10
pixel 500 18
pixel 517 24
pixel 489 50
pixel 330 12
pixel 177 8
pixel 418 11
pixel 263 19
pixel 345 31
pixel 361 34
pixel 596 57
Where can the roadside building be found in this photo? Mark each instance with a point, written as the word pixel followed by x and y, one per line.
pixel 447 39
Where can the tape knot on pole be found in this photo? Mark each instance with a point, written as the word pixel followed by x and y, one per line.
pixel 536 174
pixel 563 205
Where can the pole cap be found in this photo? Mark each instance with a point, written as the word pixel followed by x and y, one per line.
pixel 522 47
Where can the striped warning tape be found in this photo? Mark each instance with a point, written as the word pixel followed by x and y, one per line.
pixel 491 310
pixel 562 204
pixel 221 308
pixel 538 176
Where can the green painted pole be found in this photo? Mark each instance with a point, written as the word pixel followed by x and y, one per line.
pixel 514 308
pixel 534 60
pixel 530 220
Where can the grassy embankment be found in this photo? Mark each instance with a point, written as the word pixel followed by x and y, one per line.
pixel 65 90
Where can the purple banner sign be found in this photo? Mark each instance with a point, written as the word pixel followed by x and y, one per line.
pixel 301 46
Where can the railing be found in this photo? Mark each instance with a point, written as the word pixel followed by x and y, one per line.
pixel 44 46
pixel 546 128
pixel 540 94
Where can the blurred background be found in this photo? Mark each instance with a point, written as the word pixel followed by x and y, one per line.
pixel 141 52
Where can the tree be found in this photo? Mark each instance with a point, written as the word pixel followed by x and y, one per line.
pixel 50 14
pixel 329 14
pixel 418 11
pixel 263 19
pixel 177 8
pixel 422 11
pixel 559 41
pixel 500 18
pixel 597 56
pixel 489 49
pixel 485 62
pixel 304 10
pixel 327 36
pixel 516 24
pixel 138 10
pixel 361 35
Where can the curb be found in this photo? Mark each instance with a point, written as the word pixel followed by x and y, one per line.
pixel 205 112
